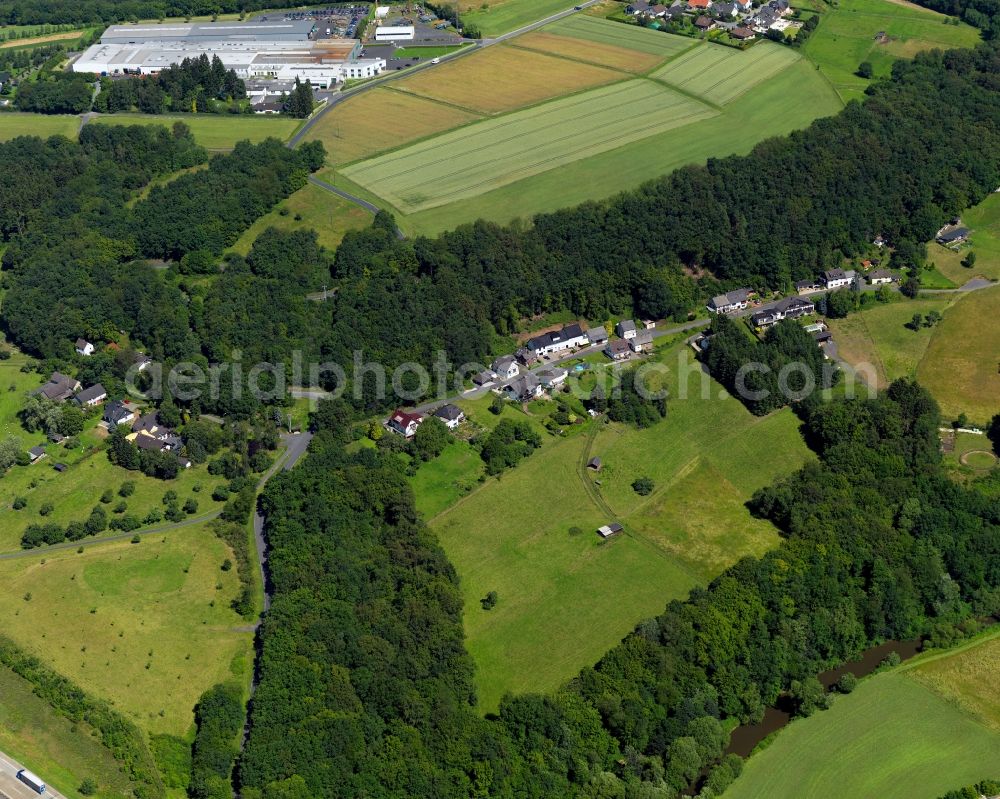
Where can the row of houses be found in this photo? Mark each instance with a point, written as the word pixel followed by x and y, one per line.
pixel 405 423
pixel 60 388
pixel 737 16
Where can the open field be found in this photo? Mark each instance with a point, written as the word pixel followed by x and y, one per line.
pixel 381 119
pixel 564 597
pixel 439 483
pixel 501 16
pixel 878 336
pixel 320 210
pixel 515 78
pixel 605 55
pixel 961 366
pixel 496 152
pixel 52 745
pixel 846 37
pixel 213 131
pixel 719 74
pixel 15 123
pixel 787 102
pixel 984 222
pixel 892 738
pixel 37 40
pixel 147 626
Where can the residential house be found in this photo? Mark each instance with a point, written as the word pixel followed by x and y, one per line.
pixel 788 308
pixel 704 23
pixel 552 376
pixel 625 329
pixel 808 286
pixel 451 415
pixel 149 433
pixel 59 388
pixel 638 7
pixel 93 395
pixel 952 235
pixel 505 367
pixel 699 5
pixel 880 241
pixel 35 454
pixel 484 378
pixel 676 11
pixel 743 34
pixel 597 335
pixel 744 6
pixel 526 356
pixel 117 412
pixel 142 361
pixel 642 341
pixel 608 530
pixel 558 340
pixel 150 443
pixel 659 10
pixel 618 349
pixel 736 300
pixel 524 388
pixel 837 278
pixel 84 347
pixel 404 422
pixel 725 10
pixel 881 277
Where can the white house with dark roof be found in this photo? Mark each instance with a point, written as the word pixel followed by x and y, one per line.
pixel 625 329
pixel 788 308
pixel 551 376
pixel 506 367
pixel 116 413
pixel 597 335
pixel 881 277
pixel 568 337
pixel 93 395
pixel 451 415
pixel 59 387
pixel 618 349
pixel 641 341
pixel 524 388
pixel 84 347
pixel 837 278
pixel 730 302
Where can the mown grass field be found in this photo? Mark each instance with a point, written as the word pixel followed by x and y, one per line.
pixel 601 54
pixel 846 36
pixel 52 745
pixel 34 41
pixel 878 337
pixel 496 152
pixel 719 74
pixel 564 597
pixel 961 366
pixel 146 626
pixel 15 123
pixel 494 17
pixel 984 222
pixel 213 131
pixel 320 210
pixel 893 738
pixel 505 78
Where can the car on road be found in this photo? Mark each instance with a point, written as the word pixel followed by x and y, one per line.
pixel 435 60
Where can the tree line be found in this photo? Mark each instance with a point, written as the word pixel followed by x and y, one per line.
pixel 80 12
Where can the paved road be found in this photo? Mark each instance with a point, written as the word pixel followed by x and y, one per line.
pixel 973 285
pixel 12 788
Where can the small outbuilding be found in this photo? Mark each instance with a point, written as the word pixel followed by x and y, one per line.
pixel 594 464
pixel 609 530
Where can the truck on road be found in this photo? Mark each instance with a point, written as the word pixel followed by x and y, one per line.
pixel 31 781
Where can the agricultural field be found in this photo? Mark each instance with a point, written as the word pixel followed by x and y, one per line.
pixel 380 120
pixel 984 222
pixel 564 596
pixel 496 152
pixel 847 31
pixel 65 752
pixel 147 626
pixel 515 78
pixel 14 124
pixel 213 131
pixel 960 366
pixel 34 41
pixel 494 17
pixel 310 208
pixel 719 75
pixel 893 737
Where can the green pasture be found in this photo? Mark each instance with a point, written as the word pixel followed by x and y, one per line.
pixel 15 123
pixel 496 152
pixel 628 37
pixel 493 17
pixel 719 74
pixel 147 626
pixel 984 222
pixel 847 32
pixel 214 131
pixel 439 483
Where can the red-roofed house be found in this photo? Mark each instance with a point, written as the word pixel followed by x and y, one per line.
pixel 699 4
pixel 404 423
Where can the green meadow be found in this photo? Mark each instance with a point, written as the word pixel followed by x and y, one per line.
pixel 213 131
pixel 14 124
pixel 494 17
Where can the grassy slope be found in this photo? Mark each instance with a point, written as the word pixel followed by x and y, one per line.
pixel 502 16
pixel 147 626
pixel 892 738
pixel 564 599
pixel 984 222
pixel 321 210
pixel 52 745
pixel 14 124
pixel 846 37
pixel 214 131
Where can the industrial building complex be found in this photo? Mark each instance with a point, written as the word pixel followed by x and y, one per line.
pixel 283 50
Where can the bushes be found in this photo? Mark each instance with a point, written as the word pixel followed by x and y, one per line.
pixel 235 535
pixel 508 443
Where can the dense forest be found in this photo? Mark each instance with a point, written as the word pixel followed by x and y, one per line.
pixel 366 689
pixel 57 12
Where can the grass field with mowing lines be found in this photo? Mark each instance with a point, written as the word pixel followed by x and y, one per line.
pixel 379 120
pixel 14 124
pixel 213 131
pixel 147 626
pixel 787 102
pixel 879 336
pixel 323 211
pixel 846 37
pixel 690 528
pixel 504 78
pixel 626 37
pixel 493 153
pixel 494 17
pixel 967 677
pixel 64 752
pixel 36 40
pixel 984 222
pixel 961 366
pixel 721 74
pixel 605 55
pixel 892 738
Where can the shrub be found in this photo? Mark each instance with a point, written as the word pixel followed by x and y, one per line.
pixel 127 489
pixel 643 486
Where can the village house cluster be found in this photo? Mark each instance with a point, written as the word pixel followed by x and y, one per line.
pixel 740 18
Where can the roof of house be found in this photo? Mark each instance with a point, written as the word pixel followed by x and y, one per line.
pixel 36 452
pixel 595 462
pixel 524 385
pixel 726 9
pixel 567 333
pixel 405 418
pixel 734 297
pixel 699 3
pixel 643 337
pixel 742 33
pixel 626 325
pixel 59 387
pixel 116 411
pixel 450 412
pixel 91 394
pixel 834 274
pixel 146 423
pixel 597 334
pixel 881 274
pixel 806 284
pixel 146 441
pixel 954 234
pixel 617 345
pixel 81 343
pixel 550 373
pixel 503 363
pixel 484 377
